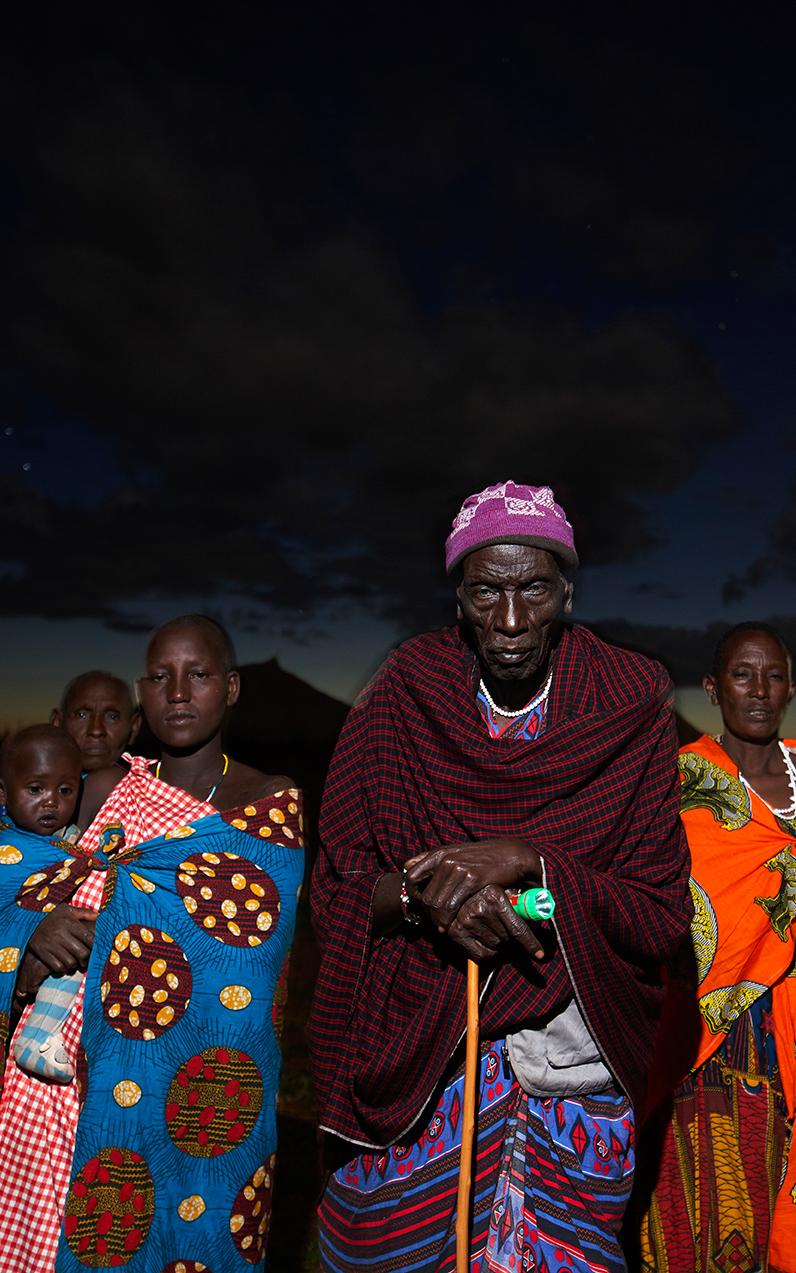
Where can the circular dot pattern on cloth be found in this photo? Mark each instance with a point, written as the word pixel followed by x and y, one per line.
pixel 141 883
pixel 146 982
pixel 250 1218
pixel 109 1209
pixel 277 817
pixel 43 890
pixel 213 1102
pixel 9 958
pixel 191 1208
pixel 236 998
pixel 127 1093
pixel 185 1266
pixel 229 897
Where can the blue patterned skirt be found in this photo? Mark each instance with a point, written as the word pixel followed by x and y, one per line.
pixel 551 1180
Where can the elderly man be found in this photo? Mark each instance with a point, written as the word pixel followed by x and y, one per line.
pixel 510 752
pixel 97 710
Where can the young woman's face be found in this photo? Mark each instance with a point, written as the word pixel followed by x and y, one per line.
pixel 186 689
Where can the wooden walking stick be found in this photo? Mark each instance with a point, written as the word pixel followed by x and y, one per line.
pixel 534 903
pixel 468 1123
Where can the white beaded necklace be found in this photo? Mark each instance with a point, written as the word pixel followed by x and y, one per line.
pixel 501 711
pixel 789 811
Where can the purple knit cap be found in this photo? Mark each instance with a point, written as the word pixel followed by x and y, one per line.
pixel 510 514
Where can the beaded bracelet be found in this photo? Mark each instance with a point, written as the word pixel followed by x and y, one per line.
pixel 406 902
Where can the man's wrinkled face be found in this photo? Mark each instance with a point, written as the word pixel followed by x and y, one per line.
pixel 511 598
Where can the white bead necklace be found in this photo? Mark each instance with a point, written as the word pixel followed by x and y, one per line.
pixel 501 711
pixel 790 768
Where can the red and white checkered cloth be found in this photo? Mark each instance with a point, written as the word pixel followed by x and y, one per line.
pixel 38 1120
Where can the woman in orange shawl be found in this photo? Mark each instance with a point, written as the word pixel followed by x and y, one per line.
pixel 725 1197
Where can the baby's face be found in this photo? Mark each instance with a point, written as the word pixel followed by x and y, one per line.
pixel 42 784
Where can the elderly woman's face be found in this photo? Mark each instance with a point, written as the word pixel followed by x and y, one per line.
pixel 511 598
pixel 753 686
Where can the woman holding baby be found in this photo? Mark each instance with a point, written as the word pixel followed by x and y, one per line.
pixel 184 884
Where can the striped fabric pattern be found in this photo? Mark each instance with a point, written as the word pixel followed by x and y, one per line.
pixel 551 1181
pixel 395 1209
pixel 39 1045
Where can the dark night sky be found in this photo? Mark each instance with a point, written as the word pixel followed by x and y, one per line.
pixel 281 290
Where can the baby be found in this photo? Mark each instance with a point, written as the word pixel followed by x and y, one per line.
pixel 39 786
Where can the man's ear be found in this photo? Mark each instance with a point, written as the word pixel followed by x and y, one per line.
pixel 709 686
pixel 233 688
pixel 135 726
pixel 569 594
pixel 2 792
pixel 57 718
pixel 459 611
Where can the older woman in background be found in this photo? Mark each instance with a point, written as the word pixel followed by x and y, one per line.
pixel 720 1201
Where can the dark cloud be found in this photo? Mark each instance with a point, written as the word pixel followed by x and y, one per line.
pixel 647 589
pixel 735 496
pixel 305 333
pixel 131 624
pixel 611 149
pixel 779 564
pixel 686 652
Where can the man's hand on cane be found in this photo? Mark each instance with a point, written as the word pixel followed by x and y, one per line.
pixel 464 893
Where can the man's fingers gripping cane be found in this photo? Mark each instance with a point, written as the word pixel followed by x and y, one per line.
pixel 534 903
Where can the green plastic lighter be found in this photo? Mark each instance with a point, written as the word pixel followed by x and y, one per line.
pixel 534 903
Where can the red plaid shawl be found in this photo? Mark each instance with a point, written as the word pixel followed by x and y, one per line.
pixel 597 795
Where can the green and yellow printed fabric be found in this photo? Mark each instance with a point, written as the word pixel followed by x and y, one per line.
pixel 743 886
